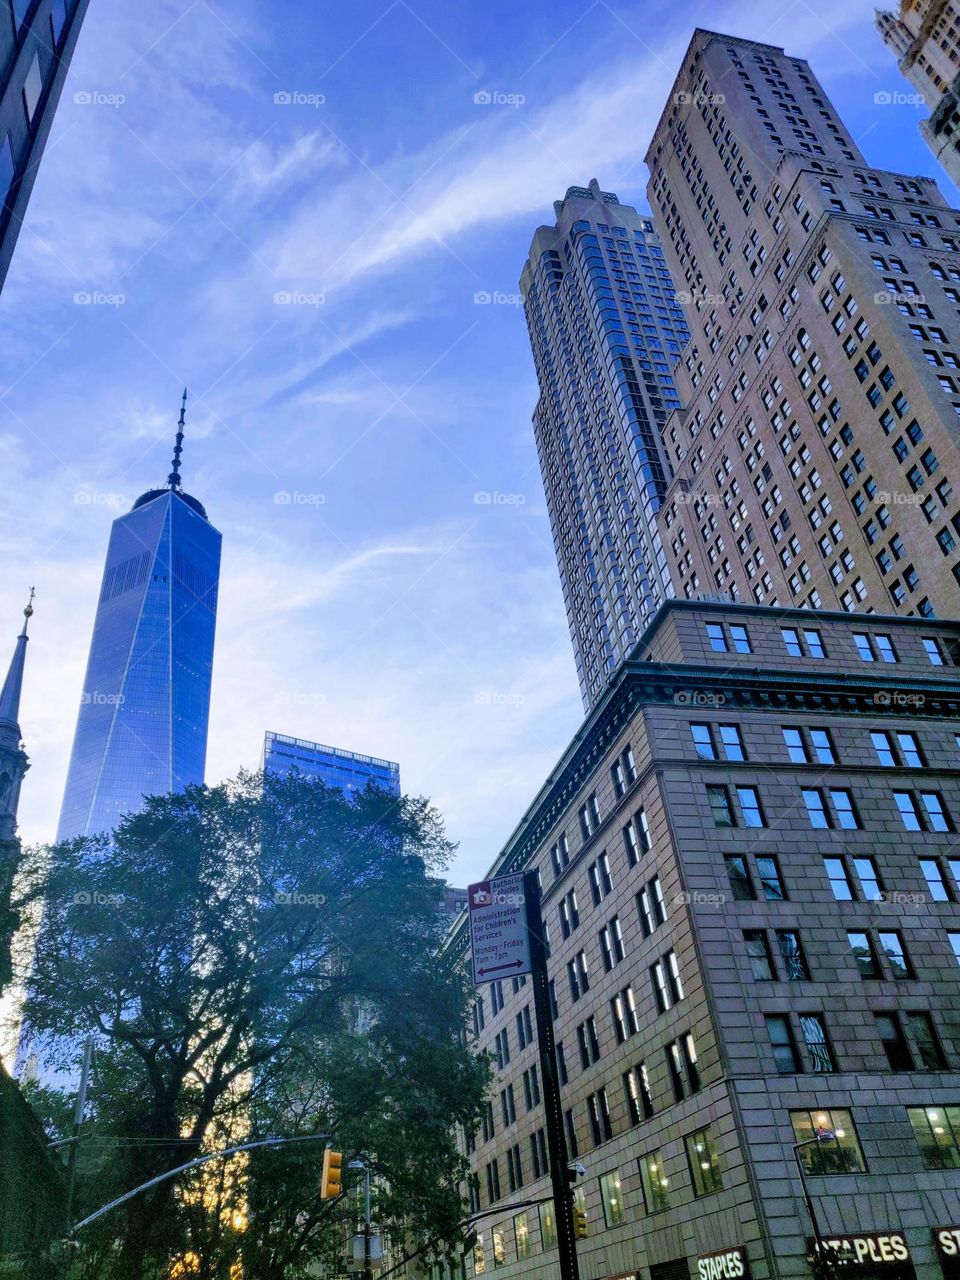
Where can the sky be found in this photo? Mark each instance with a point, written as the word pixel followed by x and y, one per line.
pixel 315 217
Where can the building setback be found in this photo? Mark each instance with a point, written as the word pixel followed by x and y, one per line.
pixel 606 328
pixel 750 880
pixel 37 40
pixel 925 36
pixel 815 459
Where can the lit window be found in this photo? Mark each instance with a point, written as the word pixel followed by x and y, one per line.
pixel 838 1151
pixel 704 1162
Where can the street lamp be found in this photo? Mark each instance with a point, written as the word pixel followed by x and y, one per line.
pixel 362 1165
pixel 821 1265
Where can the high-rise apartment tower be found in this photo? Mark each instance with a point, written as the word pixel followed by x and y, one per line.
pixel 815 458
pixel 606 328
pixel 925 36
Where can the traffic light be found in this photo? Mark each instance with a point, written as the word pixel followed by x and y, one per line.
pixel 579 1222
pixel 332 1174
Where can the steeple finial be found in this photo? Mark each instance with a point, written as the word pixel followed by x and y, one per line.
pixel 10 693
pixel 173 479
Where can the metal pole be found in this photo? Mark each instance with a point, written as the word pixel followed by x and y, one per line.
pixel 367 1270
pixel 556 1141
pixel 77 1122
pixel 821 1266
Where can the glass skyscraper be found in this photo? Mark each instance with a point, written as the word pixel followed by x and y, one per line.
pixel 337 768
pixel 142 728
pixel 606 330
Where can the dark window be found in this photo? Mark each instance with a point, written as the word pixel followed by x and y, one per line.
pixel 894 1042
pixel 738 874
pixel 930 1053
pixel 771 881
pixel 783 1044
pixel 758 952
pixel 861 944
pixel 818 1046
pixel 720 806
pixel 794 962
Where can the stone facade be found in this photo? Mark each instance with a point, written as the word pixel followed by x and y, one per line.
pixel 815 461
pixel 748 1001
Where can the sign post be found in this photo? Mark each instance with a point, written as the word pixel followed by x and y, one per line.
pixel 506 937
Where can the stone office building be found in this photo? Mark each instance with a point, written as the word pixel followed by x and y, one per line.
pixel 751 882
pixel 815 459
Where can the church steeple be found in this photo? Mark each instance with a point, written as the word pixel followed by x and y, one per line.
pixel 13 758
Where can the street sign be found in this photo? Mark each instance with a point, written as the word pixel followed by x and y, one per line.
pixel 499 940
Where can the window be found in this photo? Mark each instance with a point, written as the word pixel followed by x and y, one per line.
pixel 548 1227
pixel 599 1113
pixel 837 1154
pixel 816 808
pixel 796 746
pixel 731 742
pixel 910 750
pixel 667 987
pixel 636 837
pixel 931 816
pixel 538 1154
pixel 654 1182
pixel 560 856
pixel 814 1034
pixel 810 646
pixel 931 647
pixel 502 1049
pixel 569 913
pixel 868 964
pixel 785 1055
pixel 578 976
pixel 936 884
pixel 479 1262
pixel 521 1234
pixel 650 906
pixel 884 748
pixel 531 1088
pixel 33 89
pixel 750 809
pixel 588 1042
pixel 636 1088
pixel 716 637
pixel 894 1041
pixel 929 1050
pixel 508 1106
pixel 682 1067
pixel 589 817
pixel 493 1181
pixel 793 960
pixel 524 1028
pixel 514 1168
pixel 839 877
pixel 758 953
pixel 720 806
pixel 847 818
pixel 598 874
pixel 871 886
pixel 573 1147
pixel 740 639
pixel 891 944
pixel 937 1133
pixel 703 741
pixel 704 1162
pixel 885 648
pixel 612 1199
pixel 738 873
pixel 611 944
pixel 771 881
pixel 623 1010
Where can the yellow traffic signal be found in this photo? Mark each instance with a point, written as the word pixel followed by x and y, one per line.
pixel 332 1174
pixel 579 1222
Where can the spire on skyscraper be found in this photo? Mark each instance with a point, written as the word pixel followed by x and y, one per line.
pixel 12 686
pixel 173 479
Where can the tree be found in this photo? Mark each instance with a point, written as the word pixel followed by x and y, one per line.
pixel 259 957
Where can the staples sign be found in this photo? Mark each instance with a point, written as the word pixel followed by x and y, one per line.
pixel 724 1264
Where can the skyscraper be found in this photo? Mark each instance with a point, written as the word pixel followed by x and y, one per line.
pixel 606 327
pixel 815 458
pixel 337 768
pixel 37 40
pixel 142 728
pixel 925 36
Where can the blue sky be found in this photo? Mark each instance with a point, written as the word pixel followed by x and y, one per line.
pixel 291 208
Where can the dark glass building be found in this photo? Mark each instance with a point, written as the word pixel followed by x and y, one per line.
pixel 37 39
pixel 142 728
pixel 337 768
